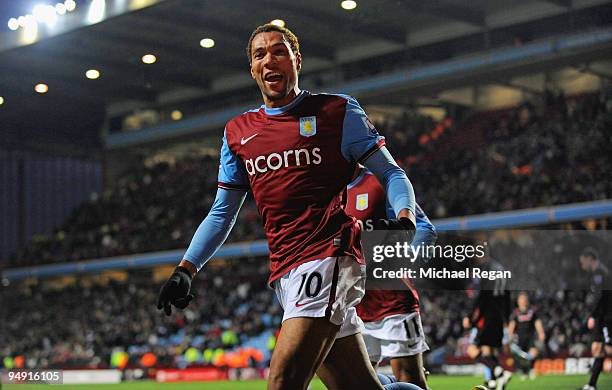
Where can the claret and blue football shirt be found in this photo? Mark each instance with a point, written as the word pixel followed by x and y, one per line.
pixel 297 160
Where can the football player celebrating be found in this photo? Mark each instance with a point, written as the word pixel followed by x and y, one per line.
pixel 297 153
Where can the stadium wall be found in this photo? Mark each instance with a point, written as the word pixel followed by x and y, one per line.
pixel 38 192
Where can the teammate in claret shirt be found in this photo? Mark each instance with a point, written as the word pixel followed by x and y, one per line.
pixel 393 328
pixel 297 153
pixel 524 324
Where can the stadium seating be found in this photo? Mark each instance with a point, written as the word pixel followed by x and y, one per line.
pixel 494 161
pixel 90 322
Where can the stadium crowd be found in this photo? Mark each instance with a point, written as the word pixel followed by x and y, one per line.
pixel 530 156
pixel 533 155
pixel 525 157
pixel 233 305
pixel 90 321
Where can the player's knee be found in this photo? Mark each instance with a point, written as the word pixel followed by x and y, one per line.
pixel 409 376
pixel 405 375
pixel 473 351
pixel 286 379
pixel 409 370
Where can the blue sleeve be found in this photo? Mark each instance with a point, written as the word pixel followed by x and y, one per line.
pixel 422 220
pixel 359 136
pixel 215 228
pixel 400 193
pixel 232 175
pixel 425 230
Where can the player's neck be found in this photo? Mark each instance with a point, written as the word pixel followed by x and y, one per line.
pixel 284 101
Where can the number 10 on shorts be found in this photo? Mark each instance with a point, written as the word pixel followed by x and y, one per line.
pixel 310 285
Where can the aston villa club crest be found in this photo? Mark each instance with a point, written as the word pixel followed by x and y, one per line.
pixel 362 202
pixel 308 126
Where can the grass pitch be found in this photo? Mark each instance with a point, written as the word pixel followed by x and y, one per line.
pixel 437 382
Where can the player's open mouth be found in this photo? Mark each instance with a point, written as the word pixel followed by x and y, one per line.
pixel 273 77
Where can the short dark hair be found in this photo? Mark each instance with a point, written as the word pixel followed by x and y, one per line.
pixel 268 27
pixel 591 252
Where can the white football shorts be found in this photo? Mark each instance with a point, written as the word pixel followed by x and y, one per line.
pixel 395 336
pixel 329 287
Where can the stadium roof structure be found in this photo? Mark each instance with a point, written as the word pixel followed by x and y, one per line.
pixel 331 37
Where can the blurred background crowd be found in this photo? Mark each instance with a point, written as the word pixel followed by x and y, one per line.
pixel 555 152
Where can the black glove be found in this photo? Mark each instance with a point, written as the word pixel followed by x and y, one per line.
pixel 404 224
pixel 176 291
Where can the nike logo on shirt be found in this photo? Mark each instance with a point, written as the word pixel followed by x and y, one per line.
pixel 244 141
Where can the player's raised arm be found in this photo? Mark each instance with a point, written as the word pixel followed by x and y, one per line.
pixel 211 233
pixel 362 143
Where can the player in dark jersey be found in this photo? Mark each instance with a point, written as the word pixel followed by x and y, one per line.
pixel 393 328
pixel 487 320
pixel 524 323
pixel 297 153
pixel 600 318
